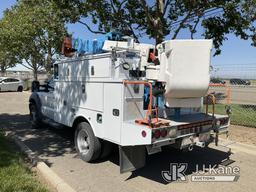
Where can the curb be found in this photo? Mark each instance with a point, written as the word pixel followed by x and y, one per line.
pixel 54 180
pixel 48 174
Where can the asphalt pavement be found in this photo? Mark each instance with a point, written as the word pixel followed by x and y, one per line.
pixel 56 148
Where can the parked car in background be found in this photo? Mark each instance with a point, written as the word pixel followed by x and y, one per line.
pixel 217 81
pixel 11 84
pixel 239 82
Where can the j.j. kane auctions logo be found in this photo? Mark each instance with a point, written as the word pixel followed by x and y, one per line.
pixel 203 173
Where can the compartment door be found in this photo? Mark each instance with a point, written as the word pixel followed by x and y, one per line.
pixel 112 116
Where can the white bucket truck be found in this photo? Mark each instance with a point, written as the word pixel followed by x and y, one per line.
pixel 137 96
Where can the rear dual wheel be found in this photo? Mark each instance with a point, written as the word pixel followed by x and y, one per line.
pixel 88 146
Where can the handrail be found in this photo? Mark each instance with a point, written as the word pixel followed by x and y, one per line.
pixel 150 93
pixel 213 104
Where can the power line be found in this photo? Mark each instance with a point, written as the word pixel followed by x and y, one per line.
pixel 193 17
pixel 235 65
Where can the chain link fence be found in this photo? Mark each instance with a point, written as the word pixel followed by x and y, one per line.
pixel 237 90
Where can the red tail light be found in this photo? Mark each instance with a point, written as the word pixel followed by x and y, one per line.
pixel 163 133
pixel 157 134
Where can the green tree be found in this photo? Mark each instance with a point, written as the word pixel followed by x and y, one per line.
pixel 159 18
pixel 33 32
pixel 7 60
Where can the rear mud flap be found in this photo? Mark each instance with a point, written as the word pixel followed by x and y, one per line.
pixel 131 158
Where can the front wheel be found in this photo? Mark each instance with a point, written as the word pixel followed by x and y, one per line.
pixel 87 144
pixel 34 116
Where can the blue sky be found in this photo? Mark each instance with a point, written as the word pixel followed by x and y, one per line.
pixel 236 54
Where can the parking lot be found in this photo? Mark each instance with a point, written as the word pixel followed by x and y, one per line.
pixel 56 148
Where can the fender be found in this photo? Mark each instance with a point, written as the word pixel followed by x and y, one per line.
pixel 78 119
pixel 88 116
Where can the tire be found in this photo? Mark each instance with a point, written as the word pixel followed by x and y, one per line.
pixel 20 89
pixel 88 146
pixel 106 148
pixel 34 116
